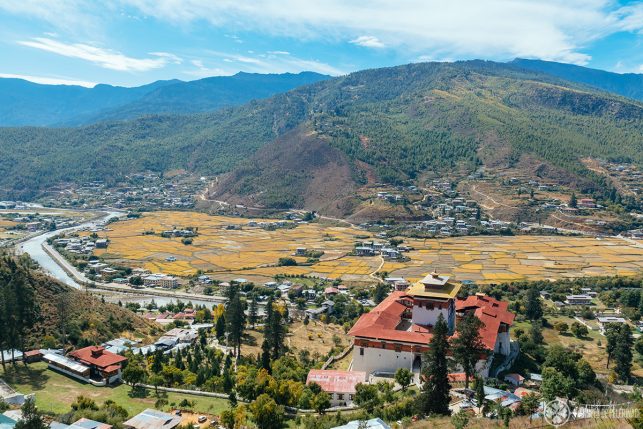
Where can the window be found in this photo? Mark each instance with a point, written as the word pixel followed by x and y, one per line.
pixel 350 397
pixel 398 348
pixel 383 345
pixel 361 351
pixel 340 396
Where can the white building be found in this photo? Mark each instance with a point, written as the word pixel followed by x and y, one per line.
pixel 340 385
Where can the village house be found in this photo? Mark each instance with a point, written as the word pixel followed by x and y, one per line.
pixel 340 385
pixel 396 333
pixel 578 300
pixel 102 364
pixel 152 419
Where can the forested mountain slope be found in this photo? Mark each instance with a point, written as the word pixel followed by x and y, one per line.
pixel 24 103
pixel 626 84
pixel 34 308
pixel 393 124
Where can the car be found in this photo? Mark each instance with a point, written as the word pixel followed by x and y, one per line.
pixel 202 419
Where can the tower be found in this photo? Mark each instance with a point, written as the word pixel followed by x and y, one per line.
pixel 432 296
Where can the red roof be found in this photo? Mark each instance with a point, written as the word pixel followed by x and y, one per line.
pixel 382 321
pixel 336 381
pixel 491 312
pixel 97 356
pixel 331 290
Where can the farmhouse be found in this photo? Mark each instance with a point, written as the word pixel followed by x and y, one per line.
pixel 396 333
pixel 102 364
pixel 340 385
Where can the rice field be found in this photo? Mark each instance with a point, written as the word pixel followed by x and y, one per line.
pixel 252 252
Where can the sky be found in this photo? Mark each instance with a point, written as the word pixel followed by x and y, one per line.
pixel 134 42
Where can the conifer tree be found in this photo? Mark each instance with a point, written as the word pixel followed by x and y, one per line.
pixel 468 347
pixel 533 306
pixel 434 398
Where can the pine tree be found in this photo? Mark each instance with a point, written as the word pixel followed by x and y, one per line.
pixel 533 306
pixel 468 347
pixel 478 388
pixel 573 202
pixel 253 311
pixel 434 398
pixel 235 318
pixel 623 353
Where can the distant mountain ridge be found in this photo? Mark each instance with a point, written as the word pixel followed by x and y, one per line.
pixel 625 84
pixel 23 103
pixel 314 146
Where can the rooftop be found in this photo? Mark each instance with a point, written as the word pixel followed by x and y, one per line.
pixel 98 356
pixel 153 419
pixel 435 286
pixel 336 381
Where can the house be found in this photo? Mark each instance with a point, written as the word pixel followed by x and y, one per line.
pixel 154 280
pixel 368 424
pixel 340 385
pixel 603 321
pixel 515 379
pixel 67 366
pixel 89 424
pixel 396 333
pixel 330 291
pixel 300 251
pixel 101 243
pixel 103 364
pixel 521 392
pixel 152 419
pixel 364 251
pixel 578 300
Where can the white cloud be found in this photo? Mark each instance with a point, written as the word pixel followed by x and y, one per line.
pixel 368 42
pixel 105 58
pixel 496 29
pixel 278 52
pixel 49 80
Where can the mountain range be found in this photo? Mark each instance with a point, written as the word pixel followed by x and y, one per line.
pixel 26 103
pixel 316 145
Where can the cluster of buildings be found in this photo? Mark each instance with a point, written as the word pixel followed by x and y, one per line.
pixel 82 245
pixel 140 190
pixel 386 250
pixel 160 280
pixel 397 332
pixel 147 419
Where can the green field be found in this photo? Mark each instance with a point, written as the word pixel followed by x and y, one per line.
pixel 56 392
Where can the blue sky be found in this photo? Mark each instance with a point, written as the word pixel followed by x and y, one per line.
pixel 133 42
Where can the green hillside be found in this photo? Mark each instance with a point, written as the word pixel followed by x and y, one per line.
pixel 394 123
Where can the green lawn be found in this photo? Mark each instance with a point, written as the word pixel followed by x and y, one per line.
pixel 55 392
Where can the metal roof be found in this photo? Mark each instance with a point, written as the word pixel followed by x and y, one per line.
pixel 66 362
pixel 153 419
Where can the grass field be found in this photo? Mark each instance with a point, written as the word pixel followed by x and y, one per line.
pixel 316 337
pixel 56 392
pixel 252 252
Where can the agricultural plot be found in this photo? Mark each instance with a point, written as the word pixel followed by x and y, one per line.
pixel 253 252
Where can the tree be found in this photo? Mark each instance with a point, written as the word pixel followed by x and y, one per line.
pixel 573 202
pixel 380 292
pixel 579 330
pixel 31 417
pixel 403 377
pixel 234 318
pixel 561 327
pixel 533 306
pixel 478 388
pixel 612 331
pixel 253 311
pixel 321 402
pixel 555 384
pixel 529 405
pixel 227 419
pixel 536 332
pixel 134 374
pixel 623 353
pixel 156 380
pixel 367 396
pixel 468 347
pixel 460 420
pixel 219 327
pixel 266 413
pixel 434 398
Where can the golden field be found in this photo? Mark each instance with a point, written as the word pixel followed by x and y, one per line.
pixel 252 252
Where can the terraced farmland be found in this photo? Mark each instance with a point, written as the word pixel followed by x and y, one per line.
pixel 253 252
